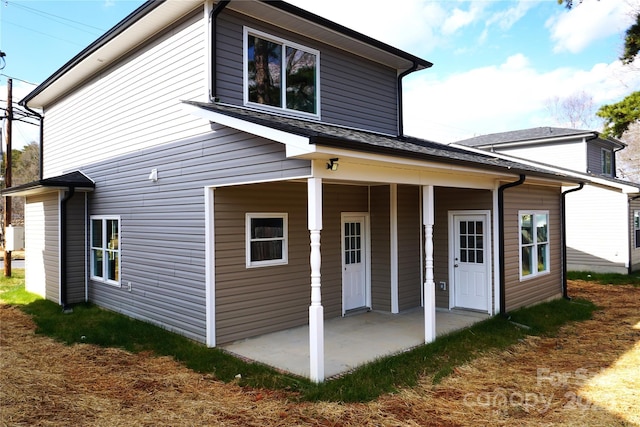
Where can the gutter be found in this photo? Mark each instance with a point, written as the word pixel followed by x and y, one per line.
pixel 213 19
pixel 563 218
pixel 41 118
pixel 413 68
pixel 63 249
pixel 501 189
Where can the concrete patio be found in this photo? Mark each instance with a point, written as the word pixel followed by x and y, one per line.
pixel 349 341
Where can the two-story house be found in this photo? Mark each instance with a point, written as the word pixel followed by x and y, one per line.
pixel 603 226
pixel 232 169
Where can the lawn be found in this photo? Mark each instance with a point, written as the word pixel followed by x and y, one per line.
pixel 99 378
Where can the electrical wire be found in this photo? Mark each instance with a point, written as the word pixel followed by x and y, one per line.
pixel 57 18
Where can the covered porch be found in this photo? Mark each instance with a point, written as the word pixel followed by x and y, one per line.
pixel 350 341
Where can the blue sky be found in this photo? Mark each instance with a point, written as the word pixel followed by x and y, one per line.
pixel 498 64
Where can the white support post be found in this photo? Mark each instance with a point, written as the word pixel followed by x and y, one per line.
pixel 316 311
pixel 393 233
pixel 428 217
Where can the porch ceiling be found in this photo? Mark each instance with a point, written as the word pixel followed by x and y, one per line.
pixel 349 341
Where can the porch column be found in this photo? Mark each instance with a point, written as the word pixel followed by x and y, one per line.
pixel 316 311
pixel 428 217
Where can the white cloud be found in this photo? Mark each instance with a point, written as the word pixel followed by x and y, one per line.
pixel 509 96
pixel 505 19
pixel 588 22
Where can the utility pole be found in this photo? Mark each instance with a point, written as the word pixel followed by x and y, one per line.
pixel 7 178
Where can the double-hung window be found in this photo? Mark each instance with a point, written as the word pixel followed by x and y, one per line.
pixel 105 249
pixel 280 75
pixel 607 162
pixel 266 239
pixel 534 243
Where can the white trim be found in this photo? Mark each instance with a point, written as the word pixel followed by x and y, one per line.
pixel 393 249
pixel 258 181
pixel 534 245
pixel 367 256
pixel 283 87
pixel 495 308
pixel 210 265
pixel 285 239
pixel 86 247
pixel 429 286
pixel 487 235
pixel 105 279
pixel 316 311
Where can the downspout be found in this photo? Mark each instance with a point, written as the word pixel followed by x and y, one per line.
pixel 41 118
pixel 564 239
pixel 413 68
pixel 213 18
pixel 503 300
pixel 63 250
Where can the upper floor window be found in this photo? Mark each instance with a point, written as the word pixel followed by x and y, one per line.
pixel 534 243
pixel 105 249
pixel 280 75
pixel 607 162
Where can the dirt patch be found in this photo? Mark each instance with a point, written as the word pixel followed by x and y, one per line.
pixel 587 375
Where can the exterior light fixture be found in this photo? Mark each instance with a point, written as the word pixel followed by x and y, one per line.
pixel 333 164
pixel 153 176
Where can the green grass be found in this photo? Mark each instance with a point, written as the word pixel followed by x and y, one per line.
pixel 606 278
pixel 93 325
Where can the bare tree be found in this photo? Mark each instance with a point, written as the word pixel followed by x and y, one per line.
pixel 628 160
pixel 576 111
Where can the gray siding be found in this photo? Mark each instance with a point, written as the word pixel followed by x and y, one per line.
pixel 254 301
pixel 594 157
pixel 451 199
pixel 409 253
pixel 371 89
pixel 530 291
pixel 76 249
pixel 162 223
pixel 380 248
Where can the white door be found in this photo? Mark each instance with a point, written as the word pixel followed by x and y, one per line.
pixel 471 263
pixel 354 277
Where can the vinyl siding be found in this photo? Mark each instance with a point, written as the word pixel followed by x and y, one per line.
pixel 409 253
pixel 371 89
pixel 133 105
pixel 163 223
pixel 451 199
pixel 597 230
pixel 594 157
pixel 530 291
pixel 254 301
pixel 380 248
pixel 42 244
pixel 570 155
pixel 634 205
pixel 76 249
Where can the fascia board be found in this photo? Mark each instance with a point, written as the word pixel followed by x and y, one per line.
pixel 296 144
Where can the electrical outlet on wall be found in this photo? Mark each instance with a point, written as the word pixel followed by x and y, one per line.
pixel 443 286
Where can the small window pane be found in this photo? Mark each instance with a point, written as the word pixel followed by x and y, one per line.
pixel 479 257
pixel 463 227
pixel 266 250
pixel 267 228
pixel 526 261
pixel 463 255
pixel 96 233
pixel 542 258
pixel 471 242
pixel 479 242
pixel 98 255
pixel 479 227
pixel 472 256
pixel 471 227
pixel 265 70
pixel 526 229
pixel 541 226
pixel 463 242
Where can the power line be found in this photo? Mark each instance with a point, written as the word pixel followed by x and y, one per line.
pixel 57 18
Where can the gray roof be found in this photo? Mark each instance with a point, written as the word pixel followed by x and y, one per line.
pixel 359 140
pixel 74 179
pixel 533 134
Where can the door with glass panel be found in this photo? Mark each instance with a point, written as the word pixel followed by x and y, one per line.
pixel 354 277
pixel 470 262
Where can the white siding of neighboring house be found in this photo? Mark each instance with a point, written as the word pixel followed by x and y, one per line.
pixel 597 230
pixel 42 241
pixel 569 155
pixel 132 106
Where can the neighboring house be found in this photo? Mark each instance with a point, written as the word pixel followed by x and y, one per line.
pixel 603 218
pixel 195 156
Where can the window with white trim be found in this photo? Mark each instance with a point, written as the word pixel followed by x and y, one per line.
pixel 280 75
pixel 607 162
pixel 534 243
pixel 105 249
pixel 636 227
pixel 266 239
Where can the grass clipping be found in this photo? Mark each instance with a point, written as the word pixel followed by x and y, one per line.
pixel 586 375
